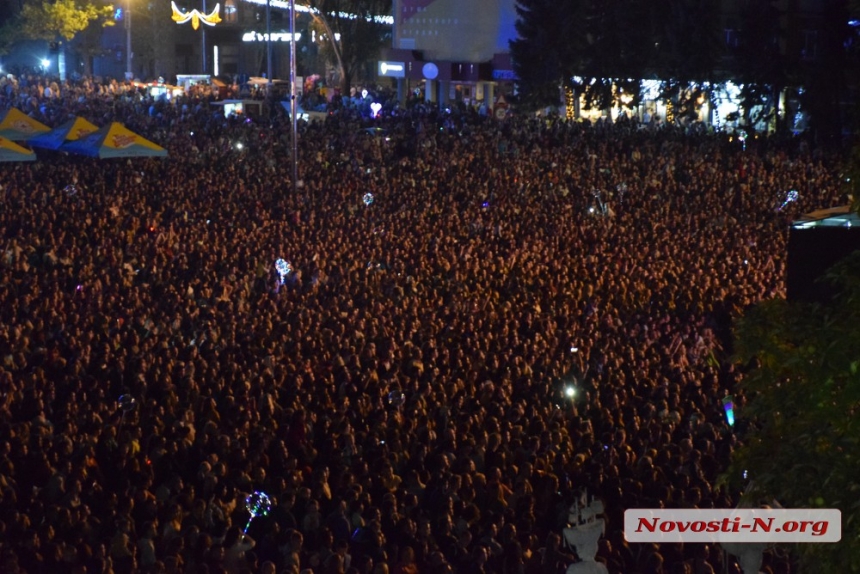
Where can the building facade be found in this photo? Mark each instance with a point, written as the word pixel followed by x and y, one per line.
pixel 236 45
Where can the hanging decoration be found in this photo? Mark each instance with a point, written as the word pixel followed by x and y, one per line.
pixel 195 16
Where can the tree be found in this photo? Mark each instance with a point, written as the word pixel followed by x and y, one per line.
pixel 826 75
pixel 760 64
pixel 619 48
pixel 688 44
pixel 49 20
pixel 688 49
pixel 9 27
pixel 802 446
pixel 551 36
pixel 361 33
pixel 597 48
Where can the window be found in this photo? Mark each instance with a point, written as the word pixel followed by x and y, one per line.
pixel 732 38
pixel 231 13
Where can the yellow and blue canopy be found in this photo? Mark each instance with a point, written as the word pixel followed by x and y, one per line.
pixel 114 140
pixel 10 151
pixel 72 130
pixel 18 126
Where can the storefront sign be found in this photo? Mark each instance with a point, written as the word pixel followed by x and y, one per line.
pixel 504 75
pixel 392 69
pixel 276 37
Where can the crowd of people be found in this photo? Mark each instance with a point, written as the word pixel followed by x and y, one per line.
pixel 482 321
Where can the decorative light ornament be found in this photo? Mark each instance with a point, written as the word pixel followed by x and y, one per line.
pixel 790 197
pixel 257 504
pixel 283 268
pixel 195 16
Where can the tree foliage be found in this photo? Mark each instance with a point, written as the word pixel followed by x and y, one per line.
pixel 758 64
pixel 802 444
pixel 826 79
pixel 604 48
pixel 688 47
pixel 361 35
pixel 688 50
pixel 53 19
pixel 608 46
pixel 618 47
pixel 546 54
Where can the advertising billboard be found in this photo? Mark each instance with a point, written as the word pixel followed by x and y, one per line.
pixel 455 30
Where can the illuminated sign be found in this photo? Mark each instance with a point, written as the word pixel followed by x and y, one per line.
pixel 392 69
pixel 504 75
pixel 276 37
pixel 285 5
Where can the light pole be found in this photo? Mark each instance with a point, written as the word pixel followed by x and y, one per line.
pixel 269 54
pixel 293 101
pixel 129 75
pixel 204 40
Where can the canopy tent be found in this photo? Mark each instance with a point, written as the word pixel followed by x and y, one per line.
pixel 10 151
pixel 72 130
pixel 114 140
pixel 18 126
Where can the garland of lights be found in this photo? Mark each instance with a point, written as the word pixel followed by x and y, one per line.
pixel 195 16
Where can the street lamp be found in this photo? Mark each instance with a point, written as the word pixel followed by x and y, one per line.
pixel 128 73
pixel 293 95
pixel 203 40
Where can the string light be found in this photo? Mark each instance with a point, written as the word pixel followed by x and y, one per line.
pixel 569 101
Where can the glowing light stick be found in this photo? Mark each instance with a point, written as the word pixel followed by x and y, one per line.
pixel 258 504
pixel 729 407
pixel 790 197
pixel 283 268
pixel 367 199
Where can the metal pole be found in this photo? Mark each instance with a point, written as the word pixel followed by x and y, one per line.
pixel 269 53
pixel 203 37
pixel 293 101
pixel 128 73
